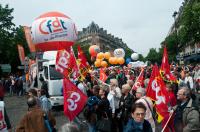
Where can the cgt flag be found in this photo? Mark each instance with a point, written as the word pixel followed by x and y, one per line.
pixel 156 90
pixel 74 99
pixel 62 61
pixel 74 70
pixel 140 80
pixel 165 68
pixel 66 63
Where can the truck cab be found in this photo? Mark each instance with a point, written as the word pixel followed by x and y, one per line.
pixel 53 78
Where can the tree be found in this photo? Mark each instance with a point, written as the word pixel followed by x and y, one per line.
pixel 7 46
pixel 189 24
pixel 10 36
pixel 141 57
pixel 128 52
pixel 153 56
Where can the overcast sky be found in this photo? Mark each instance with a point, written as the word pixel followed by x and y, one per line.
pixel 142 24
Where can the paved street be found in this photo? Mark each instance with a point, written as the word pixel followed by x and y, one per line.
pixel 16 107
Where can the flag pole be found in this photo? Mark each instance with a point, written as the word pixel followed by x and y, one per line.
pixel 169 119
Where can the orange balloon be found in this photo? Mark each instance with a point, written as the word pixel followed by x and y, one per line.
pixel 94 50
pixel 97 63
pixel 115 60
pixel 120 60
pixel 104 64
pixel 100 55
pixel 107 55
pixel 111 60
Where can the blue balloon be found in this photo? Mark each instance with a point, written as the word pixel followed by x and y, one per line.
pixel 128 60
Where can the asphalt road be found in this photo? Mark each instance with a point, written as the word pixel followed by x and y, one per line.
pixel 16 107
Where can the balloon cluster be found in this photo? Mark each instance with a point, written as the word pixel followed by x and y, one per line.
pixel 101 57
pixel 100 62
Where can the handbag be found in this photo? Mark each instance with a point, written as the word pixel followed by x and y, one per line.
pixel 104 124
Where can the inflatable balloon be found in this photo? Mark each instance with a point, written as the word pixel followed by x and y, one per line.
pixel 111 60
pixel 100 55
pixel 119 53
pixel 107 55
pixel 115 60
pixel 104 64
pixel 128 60
pixel 94 50
pixel 53 31
pixel 120 60
pixel 134 56
pixel 97 63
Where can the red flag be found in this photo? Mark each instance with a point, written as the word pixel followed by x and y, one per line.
pixel 21 53
pixel 156 90
pixel 74 99
pixel 82 58
pixel 66 63
pixel 149 91
pixel 139 81
pixel 62 61
pixel 103 76
pixel 73 65
pixel 165 68
pixel 27 32
pixel 82 62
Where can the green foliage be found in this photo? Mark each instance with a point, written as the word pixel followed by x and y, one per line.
pixel 10 37
pixel 128 52
pixel 171 43
pixel 141 58
pixel 153 56
pixel 7 45
pixel 189 23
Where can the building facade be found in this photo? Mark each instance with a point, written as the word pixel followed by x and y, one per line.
pixel 189 52
pixel 94 35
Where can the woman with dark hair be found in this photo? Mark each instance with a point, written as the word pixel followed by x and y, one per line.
pixel 103 106
pixel 137 123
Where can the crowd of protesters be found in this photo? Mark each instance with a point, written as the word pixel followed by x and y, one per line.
pixel 114 105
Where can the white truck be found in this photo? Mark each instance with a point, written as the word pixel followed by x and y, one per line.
pixel 46 69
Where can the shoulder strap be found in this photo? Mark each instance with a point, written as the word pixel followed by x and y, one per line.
pixel 153 115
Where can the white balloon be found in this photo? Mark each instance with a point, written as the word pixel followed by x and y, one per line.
pixel 119 53
pixel 134 56
pixel 137 64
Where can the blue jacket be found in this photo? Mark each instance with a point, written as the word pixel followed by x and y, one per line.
pixel 133 126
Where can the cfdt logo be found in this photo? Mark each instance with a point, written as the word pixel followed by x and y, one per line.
pixel 53 25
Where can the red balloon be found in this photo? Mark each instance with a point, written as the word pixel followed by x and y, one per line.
pixel 94 50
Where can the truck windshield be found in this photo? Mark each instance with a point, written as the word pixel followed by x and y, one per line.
pixel 54 75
